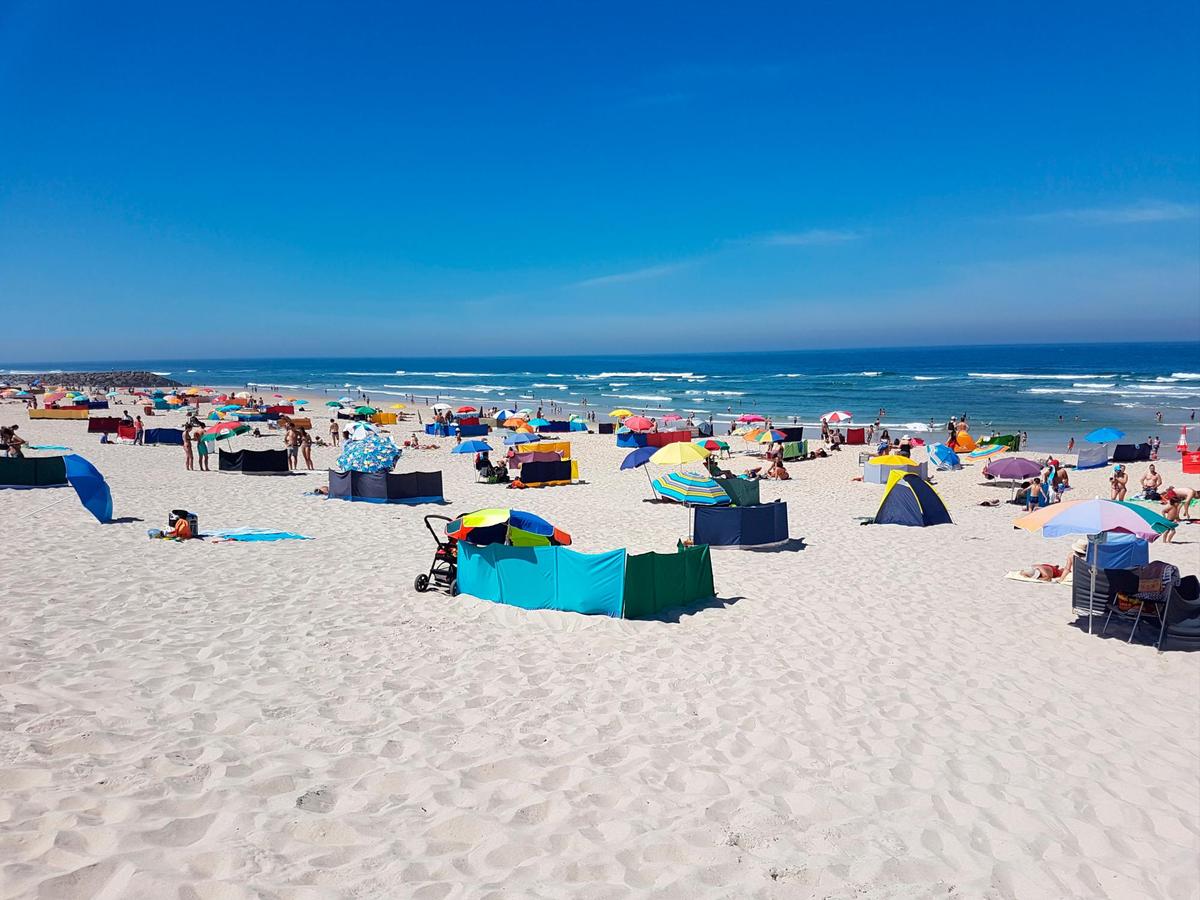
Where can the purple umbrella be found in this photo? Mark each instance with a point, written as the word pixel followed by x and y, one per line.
pixel 1012 468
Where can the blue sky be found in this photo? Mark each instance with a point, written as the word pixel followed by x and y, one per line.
pixel 295 179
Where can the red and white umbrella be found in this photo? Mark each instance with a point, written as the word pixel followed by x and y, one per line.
pixel 836 416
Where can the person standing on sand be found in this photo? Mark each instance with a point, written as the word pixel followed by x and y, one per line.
pixel 188 457
pixel 139 431
pixel 1070 445
pixel 202 450
pixel 306 447
pixel 1119 482
pixel 334 434
pixel 292 443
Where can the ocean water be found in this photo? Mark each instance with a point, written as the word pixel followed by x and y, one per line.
pixel 1053 392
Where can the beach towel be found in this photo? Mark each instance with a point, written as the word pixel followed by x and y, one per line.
pixel 252 534
pixel 1020 576
pixel 47 447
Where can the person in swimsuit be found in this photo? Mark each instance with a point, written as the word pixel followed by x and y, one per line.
pixel 1119 482
pixel 306 448
pixel 188 456
pixel 1151 482
pixel 1043 572
pixel 201 450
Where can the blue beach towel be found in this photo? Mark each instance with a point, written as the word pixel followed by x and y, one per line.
pixel 253 534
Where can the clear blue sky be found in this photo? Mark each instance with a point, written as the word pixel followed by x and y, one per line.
pixel 290 179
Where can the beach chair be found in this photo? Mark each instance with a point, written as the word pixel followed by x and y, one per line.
pixel 1181 617
pixel 1135 593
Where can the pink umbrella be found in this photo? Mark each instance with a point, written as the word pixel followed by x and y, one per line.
pixel 638 423
pixel 750 417
pixel 672 417
pixel 837 416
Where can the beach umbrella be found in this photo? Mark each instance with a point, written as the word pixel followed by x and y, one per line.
pixel 362 431
pixel 228 408
pixel 440 407
pixel 1103 436
pixel 891 460
pixel 752 435
pixel 22 394
pixel 1012 468
pixel 506 526
pixel 770 436
pixel 113 394
pixel 223 431
pixel 710 444
pixel 1093 518
pixel 638 457
pixel 838 415
pixel 473 447
pixel 374 453
pixel 638 423
pixel 523 428
pixel 750 417
pixel 398 406
pixel 522 438
pixel 689 489
pixel 332 403
pixel 90 487
pixel 943 457
pixel 466 409
pixel 619 413
pixel 280 396
pixel 366 410
pixel 213 416
pixel 538 423
pixel 672 417
pixel 678 453
pixel 345 400
pixel 988 451
pixel 241 395
pixel 526 412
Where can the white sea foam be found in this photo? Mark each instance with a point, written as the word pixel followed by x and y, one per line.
pixel 617 384
pixel 601 375
pixel 1037 377
pixel 163 374
pixel 1186 376
pixel 1094 384
pixel 726 393
pixel 375 374
pixel 637 397
pixel 927 378
pixel 561 387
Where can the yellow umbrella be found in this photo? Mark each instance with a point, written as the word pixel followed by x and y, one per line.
pixel 398 406
pixel 891 460
pixel 753 434
pixel 678 453
pixel 524 429
pixel 620 414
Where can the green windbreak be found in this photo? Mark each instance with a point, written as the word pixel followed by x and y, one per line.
pixel 742 491
pixel 655 582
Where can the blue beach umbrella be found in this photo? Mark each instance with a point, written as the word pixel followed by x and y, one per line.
pixel 522 439
pixel 638 457
pixel 1104 436
pixel 91 487
pixel 374 453
pixel 473 447
pixel 694 490
pixel 538 423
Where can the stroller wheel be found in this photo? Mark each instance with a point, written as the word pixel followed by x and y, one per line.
pixel 421 583
pixel 453 587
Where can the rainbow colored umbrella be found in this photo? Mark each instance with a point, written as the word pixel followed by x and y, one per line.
pixel 770 436
pixel 710 444
pixel 987 451
pixel 514 527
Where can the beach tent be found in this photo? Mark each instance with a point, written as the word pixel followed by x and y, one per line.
pixel 253 462
pixel 1093 457
pixel 385 487
pixel 943 458
pixel 612 584
pixel 741 526
pixel 909 500
pixel 1131 453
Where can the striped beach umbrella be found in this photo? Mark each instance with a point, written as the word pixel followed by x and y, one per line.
pixel 770 436
pixel 689 489
pixel 988 451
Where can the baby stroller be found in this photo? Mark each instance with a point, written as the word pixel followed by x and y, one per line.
pixel 443 571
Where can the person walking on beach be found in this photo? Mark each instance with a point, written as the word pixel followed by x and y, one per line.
pixel 334 434
pixel 1070 445
pixel 189 459
pixel 139 431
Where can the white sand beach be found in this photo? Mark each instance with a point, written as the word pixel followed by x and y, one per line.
pixel 879 714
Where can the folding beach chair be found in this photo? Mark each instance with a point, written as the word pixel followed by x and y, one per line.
pixel 1181 617
pixel 1139 592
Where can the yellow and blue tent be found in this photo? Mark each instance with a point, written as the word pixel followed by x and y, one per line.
pixel 909 500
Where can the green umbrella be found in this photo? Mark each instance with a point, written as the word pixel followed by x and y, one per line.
pixel 366 411
pixel 332 403
pixel 224 430
pixel 1159 523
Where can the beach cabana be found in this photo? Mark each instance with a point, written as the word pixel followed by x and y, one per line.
pixel 386 487
pixel 909 500
pixel 614 584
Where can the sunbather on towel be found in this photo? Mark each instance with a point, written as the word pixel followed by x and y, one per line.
pixel 1042 572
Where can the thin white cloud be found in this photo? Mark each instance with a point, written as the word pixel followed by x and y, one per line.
pixel 1132 214
pixel 813 237
pixel 634 275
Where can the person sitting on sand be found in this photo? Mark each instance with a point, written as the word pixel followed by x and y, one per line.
pixel 1151 483
pixel 777 472
pixel 1119 482
pixel 714 470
